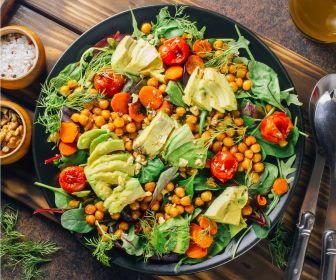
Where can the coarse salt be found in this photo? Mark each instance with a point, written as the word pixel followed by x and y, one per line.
pixel 17 55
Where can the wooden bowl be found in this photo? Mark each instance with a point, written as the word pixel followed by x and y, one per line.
pixel 35 71
pixel 23 147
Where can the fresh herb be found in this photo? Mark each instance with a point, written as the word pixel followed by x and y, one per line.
pixel 151 171
pixel 62 198
pixel 203 118
pixel 245 44
pixel 16 250
pixel 136 32
pixel 74 220
pixel 175 92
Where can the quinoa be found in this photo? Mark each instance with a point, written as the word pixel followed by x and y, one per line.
pixel 18 54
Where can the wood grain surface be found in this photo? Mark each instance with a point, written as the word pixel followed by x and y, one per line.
pixel 57 30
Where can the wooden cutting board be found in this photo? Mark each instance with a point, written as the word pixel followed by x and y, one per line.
pixel 58 23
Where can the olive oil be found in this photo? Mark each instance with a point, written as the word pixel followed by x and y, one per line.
pixel 315 18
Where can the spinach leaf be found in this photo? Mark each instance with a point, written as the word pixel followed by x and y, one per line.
pixel 74 220
pixel 175 92
pixel 194 214
pixel 290 98
pixel 248 121
pixel 132 243
pixel 242 94
pixel 221 240
pixel 81 193
pixel 266 180
pixel 62 198
pixel 151 171
pixel 164 179
pixel 286 168
pixel 201 183
pixel 76 159
pixel 275 150
pixel 188 185
pixel 203 118
pixel 262 232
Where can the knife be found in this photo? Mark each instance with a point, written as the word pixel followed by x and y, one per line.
pixel 306 221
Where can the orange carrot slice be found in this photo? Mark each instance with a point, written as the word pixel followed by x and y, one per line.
pixel 166 107
pixel 174 73
pixel 193 62
pixel 119 102
pixel 150 97
pixel 68 132
pixel 135 112
pixel 67 149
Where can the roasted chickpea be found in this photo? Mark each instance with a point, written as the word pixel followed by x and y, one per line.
pixel 255 148
pixel 239 121
pixel 146 27
pixel 72 83
pixel 240 167
pixel 232 68
pixel 175 199
pixel 234 149
pixel 180 209
pixel 115 216
pixel 97 111
pixel 119 122
pixel 73 203
pixel 191 119
pixel 247 84
pixel 155 206
pixel 258 167
pixel 250 140
pixel 99 215
pixel 90 209
pixel 65 90
pixel 242 147
pixel 119 131
pixel 239 82
pixel 135 205
pixel 123 225
pixel 199 201
pixel 100 121
pixel 92 91
pixel 247 210
pixel 220 136
pixel 230 78
pixel 228 142
pixel 75 117
pixel 100 206
pixel 173 212
pixel 106 114
pixel 180 192
pixel 180 111
pixel 234 86
pixel 118 233
pixel 110 126
pixel 189 209
pixel 228 120
pixel 239 156
pixel 268 107
pixel 114 115
pixel 235 113
pixel 136 214
pixel 154 82
pixel 131 127
pixel 159 197
pixel 159 215
pixel 206 135
pixel 162 88
pixel 147 199
pixel 224 69
pixel 150 186
pixel 129 145
pixel 241 73
pixel 90 219
pixel 246 163
pixel 103 104
pixel 230 132
pixel 103 228
pixel 170 187
pixel 217 146
pixel 86 112
pixel 248 154
pixel 255 177
pixel 256 158
pixel 218 44
pixel 185 201
pixel 206 196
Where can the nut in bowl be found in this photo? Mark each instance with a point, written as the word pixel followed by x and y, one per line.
pixel 22 57
pixel 15 133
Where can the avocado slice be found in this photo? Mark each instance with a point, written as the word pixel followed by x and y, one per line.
pixel 87 137
pixel 102 189
pixel 105 148
pixel 101 138
pixel 108 158
pixel 113 178
pixel 116 165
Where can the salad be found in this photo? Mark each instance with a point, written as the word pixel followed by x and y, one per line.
pixel 170 145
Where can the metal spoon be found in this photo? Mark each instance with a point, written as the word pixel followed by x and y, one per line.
pixel 325 125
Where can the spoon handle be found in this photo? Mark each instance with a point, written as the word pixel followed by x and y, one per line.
pixel 328 264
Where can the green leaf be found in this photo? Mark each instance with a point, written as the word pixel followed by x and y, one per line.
pixel 132 243
pixel 76 159
pixel 286 168
pixel 242 94
pixel 152 171
pixel 81 193
pixel 201 183
pixel 74 220
pixel 62 198
pixel 262 232
pixel 266 180
pixel 188 185
pixel 136 32
pixel 290 98
pixel 203 118
pixel 164 179
pixel 221 240
pixel 248 121
pixel 175 92
pixel 196 212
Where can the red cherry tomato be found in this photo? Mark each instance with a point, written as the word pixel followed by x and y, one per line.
pixel 174 51
pixel 223 166
pixel 276 128
pixel 108 83
pixel 72 179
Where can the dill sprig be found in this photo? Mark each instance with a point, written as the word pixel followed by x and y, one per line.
pixel 16 250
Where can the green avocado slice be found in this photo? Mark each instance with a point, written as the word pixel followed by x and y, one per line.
pixel 108 158
pixel 113 178
pixel 116 165
pixel 86 138
pixel 105 148
pixel 101 138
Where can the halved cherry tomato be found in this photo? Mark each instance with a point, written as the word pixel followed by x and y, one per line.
pixel 137 112
pixel 72 179
pixel 193 62
pixel 276 127
pixel 174 51
pixel 108 83
pixel 201 47
pixel 223 166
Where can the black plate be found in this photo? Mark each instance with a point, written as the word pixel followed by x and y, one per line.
pixel 217 26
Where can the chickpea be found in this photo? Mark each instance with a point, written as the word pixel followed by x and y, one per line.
pixel 247 210
pixel 180 111
pixel 246 163
pixel 146 27
pixel 156 206
pixel 191 119
pixel 224 69
pixel 268 107
pixel 256 158
pixel 103 104
pixel 235 113
pixel 248 154
pixel 150 187
pixel 89 105
pixel 162 88
pixel 220 136
pixel 170 187
pixel 90 219
pixel 167 216
pixel 255 177
pixel 250 140
pixel 110 126
pixel 167 207
pixel 173 212
pixel 180 209
pixel 133 135
pixel 102 227
pixel 115 216
pixel 232 69
pixel 131 127
pixel 255 148
pixel 72 83
pixel 73 203
pixel 185 201
pixel 154 82
pixel 147 199
pixel 240 167
pixel 129 145
pixel 119 122
pixel 159 215
pixel 239 121
pixel 217 146
pixel 189 209
pixel 258 167
pixel 118 233
pixel 225 149
pixel 175 199
pixel 114 115
pixel 90 209
pixel 247 84
pixel 135 205
pixel 242 147
pixel 239 157
pixel 206 135
pixel 65 90
pixel 106 114
pixel 119 131
pixel 123 225
pixel 180 192
pixel 234 86
pixel 86 112
pixel 127 119
pixel 100 121
pixel 248 75
pixel 230 78
pixel 97 111
pixel 100 206
pixel 136 214
pixel 159 197
pixel 239 82
pixel 199 201
pixel 241 73
pixel 234 149
pixel 75 117
pixel 228 120
pixel 228 142
pixel 218 44
pixel 206 196
pixel 99 215
pixel 230 132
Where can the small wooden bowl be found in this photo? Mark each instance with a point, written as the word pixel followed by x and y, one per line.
pixel 23 147
pixel 35 71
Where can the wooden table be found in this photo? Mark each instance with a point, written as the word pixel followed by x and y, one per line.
pixel 59 23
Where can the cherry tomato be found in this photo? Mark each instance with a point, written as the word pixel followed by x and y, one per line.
pixel 72 179
pixel 108 83
pixel 174 51
pixel 223 166
pixel 276 127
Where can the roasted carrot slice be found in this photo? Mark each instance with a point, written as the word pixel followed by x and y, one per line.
pixel 67 149
pixel 68 132
pixel 166 107
pixel 193 62
pixel 201 48
pixel 174 73
pixel 119 102
pixel 196 252
pixel 135 112
pixel 150 97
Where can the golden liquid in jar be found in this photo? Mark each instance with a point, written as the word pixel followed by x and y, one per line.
pixel 315 18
